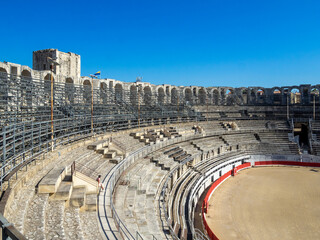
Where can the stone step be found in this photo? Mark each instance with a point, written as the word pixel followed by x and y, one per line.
pixel 78 196
pixel 110 154
pixel 98 144
pixel 91 202
pixel 51 181
pixel 63 192
pixel 103 150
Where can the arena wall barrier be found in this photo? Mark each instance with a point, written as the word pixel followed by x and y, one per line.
pixel 233 172
pixel 213 187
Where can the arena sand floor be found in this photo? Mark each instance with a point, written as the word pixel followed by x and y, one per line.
pixel 267 203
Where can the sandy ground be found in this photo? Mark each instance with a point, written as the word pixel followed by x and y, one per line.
pixel 267 203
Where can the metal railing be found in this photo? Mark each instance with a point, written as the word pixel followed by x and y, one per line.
pixel 9 231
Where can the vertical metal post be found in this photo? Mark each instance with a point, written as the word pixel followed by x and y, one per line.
pixel 288 105
pixel 138 107
pixel 207 109
pixel 91 105
pixel 4 150
pixel 52 106
pixel 178 106
pixel 314 106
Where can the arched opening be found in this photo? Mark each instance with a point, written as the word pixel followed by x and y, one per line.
pixel 87 91
pixel 276 96
pixel 244 94
pixel 147 95
pixel 174 96
pixel 103 92
pixel 261 96
pixel 188 96
pixel 118 92
pixel 295 96
pixel 26 88
pixel 133 95
pixel 3 86
pixel 215 97
pixel 69 90
pixel 229 92
pixel 47 84
pixel 202 96
pixel 26 73
pixel 229 97
pixel 160 96
pixel 3 71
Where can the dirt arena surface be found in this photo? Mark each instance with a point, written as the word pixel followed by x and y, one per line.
pixel 267 203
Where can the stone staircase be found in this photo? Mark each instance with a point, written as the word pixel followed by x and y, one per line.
pixel 135 199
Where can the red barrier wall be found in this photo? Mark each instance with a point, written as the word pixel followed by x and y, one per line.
pixel 238 168
pixel 212 188
pixel 290 163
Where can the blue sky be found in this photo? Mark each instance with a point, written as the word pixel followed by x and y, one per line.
pixel 205 43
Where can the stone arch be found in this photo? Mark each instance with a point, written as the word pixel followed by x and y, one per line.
pixel 87 90
pixel 147 95
pixel 174 96
pixel 261 96
pixel 215 97
pixel 188 95
pixel 118 91
pixel 202 96
pixel 3 85
pixel 295 95
pixel 161 95
pixel 26 87
pixel 2 70
pixel 26 73
pixel 133 95
pixel 69 90
pixel 47 83
pixel 228 95
pixel 276 96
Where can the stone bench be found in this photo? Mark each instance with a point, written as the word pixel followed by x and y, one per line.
pixel 51 181
pixel 98 145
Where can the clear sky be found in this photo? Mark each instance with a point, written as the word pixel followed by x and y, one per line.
pixel 205 42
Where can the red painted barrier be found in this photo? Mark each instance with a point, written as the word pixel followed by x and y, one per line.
pixel 233 172
pixel 212 188
pixel 290 163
